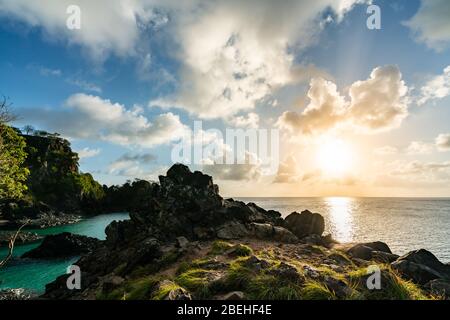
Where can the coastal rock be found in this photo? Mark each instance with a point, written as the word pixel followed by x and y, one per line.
pixel 235 295
pixel 421 266
pixel 439 287
pixel 365 251
pixel 305 223
pixel 17 294
pixel 22 237
pixel 62 245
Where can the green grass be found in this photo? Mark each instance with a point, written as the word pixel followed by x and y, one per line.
pixel 268 287
pixel 164 289
pixel 241 250
pixel 314 290
pixel 219 247
pixel 137 289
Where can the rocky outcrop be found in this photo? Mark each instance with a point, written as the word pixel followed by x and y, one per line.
pixel 421 266
pixel 62 245
pixel 17 294
pixel 22 237
pixel 370 250
pixel 305 223
pixel 182 218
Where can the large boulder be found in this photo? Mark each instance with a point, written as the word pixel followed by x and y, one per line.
pixel 62 245
pixel 421 266
pixel 371 250
pixel 305 223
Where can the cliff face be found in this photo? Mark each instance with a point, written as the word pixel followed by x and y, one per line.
pixel 55 184
pixel 55 178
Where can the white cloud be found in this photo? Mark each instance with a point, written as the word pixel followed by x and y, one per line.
pixel 85 85
pixel 288 171
pixel 91 117
pixel 376 104
pixel 419 147
pixel 235 53
pixel 325 110
pixel 129 165
pixel 431 24
pixel 443 142
pixel 437 87
pixel 386 150
pixel 88 153
pixel 250 121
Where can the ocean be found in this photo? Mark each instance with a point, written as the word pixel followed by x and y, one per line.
pixel 405 224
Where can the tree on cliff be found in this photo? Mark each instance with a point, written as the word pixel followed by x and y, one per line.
pixel 13 174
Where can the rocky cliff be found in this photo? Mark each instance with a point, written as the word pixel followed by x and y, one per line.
pixel 184 241
pixel 57 191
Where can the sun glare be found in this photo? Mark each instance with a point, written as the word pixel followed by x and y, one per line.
pixel 335 157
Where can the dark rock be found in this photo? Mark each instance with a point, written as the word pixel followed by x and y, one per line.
pixel 62 245
pixel 365 250
pixel 267 231
pixel 439 287
pixel 17 294
pixel 384 257
pixel 232 230
pixel 305 223
pixel 235 295
pixel 111 282
pixel 182 242
pixel 421 266
pixel 22 237
pixel 288 272
pixel 360 251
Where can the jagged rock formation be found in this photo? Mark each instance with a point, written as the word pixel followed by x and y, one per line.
pixel 62 245
pixel 173 247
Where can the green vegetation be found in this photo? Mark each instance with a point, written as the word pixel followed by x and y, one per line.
pixel 137 289
pixel 314 290
pixel 13 174
pixel 269 274
pixel 219 247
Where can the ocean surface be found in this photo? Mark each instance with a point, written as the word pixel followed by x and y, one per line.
pixel 405 224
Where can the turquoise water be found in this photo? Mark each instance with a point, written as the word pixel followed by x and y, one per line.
pixel 405 224
pixel 33 274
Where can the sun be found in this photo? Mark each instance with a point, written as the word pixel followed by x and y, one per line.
pixel 335 157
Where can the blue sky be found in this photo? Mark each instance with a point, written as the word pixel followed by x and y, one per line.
pixel 126 87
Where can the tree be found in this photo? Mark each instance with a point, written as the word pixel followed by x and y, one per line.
pixel 28 129
pixel 5 115
pixel 12 157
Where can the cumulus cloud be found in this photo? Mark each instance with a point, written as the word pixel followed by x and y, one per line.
pixel 106 26
pixel 376 104
pixel 437 87
pixel 250 121
pixel 91 117
pixel 130 165
pixel 325 110
pixel 288 171
pixel 443 142
pixel 231 53
pixel 235 53
pixel 88 153
pixel 250 170
pixel 431 25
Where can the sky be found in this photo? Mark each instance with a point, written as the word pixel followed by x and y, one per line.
pixel 358 111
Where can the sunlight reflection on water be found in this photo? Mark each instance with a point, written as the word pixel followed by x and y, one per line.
pixel 340 210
